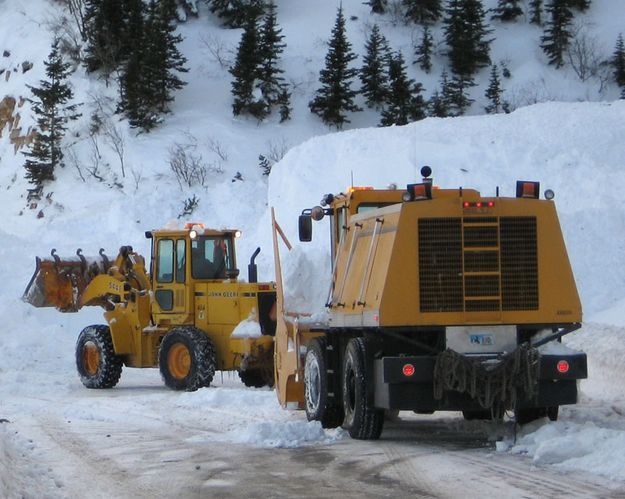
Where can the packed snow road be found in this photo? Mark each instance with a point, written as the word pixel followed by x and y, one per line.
pixel 142 440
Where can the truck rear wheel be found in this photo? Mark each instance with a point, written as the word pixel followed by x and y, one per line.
pixel 187 359
pixel 96 362
pixel 318 406
pixel 361 421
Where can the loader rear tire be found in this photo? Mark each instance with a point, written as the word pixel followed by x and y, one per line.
pixel 361 421
pixel 187 359
pixel 97 364
pixel 318 405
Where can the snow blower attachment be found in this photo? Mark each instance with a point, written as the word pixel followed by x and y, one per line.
pixel 439 300
pixel 181 317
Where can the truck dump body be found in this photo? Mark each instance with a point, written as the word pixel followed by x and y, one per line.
pixel 440 262
pixel 440 300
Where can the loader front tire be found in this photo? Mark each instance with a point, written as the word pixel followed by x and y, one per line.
pixel 187 359
pixel 361 421
pixel 318 405
pixel 97 364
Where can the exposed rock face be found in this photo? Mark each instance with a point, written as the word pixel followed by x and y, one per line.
pixel 10 118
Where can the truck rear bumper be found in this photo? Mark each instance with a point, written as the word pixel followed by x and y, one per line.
pixel 406 383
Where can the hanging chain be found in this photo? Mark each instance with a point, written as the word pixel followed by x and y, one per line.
pixel 493 384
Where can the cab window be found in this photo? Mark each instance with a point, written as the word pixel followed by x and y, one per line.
pixel 211 256
pixel 165 261
pixel 180 260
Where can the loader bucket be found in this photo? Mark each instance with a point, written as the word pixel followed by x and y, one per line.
pixel 60 282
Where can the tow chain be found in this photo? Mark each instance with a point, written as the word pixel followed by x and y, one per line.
pixel 493 384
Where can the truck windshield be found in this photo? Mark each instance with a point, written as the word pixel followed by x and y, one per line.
pixel 211 256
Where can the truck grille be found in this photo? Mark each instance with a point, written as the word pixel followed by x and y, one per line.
pixel 478 264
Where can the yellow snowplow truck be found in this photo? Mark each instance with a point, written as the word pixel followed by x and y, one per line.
pixel 440 299
pixel 180 317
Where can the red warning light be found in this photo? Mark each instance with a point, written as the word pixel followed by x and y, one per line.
pixel 408 369
pixel 563 366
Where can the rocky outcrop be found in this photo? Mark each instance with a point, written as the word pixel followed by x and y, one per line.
pixel 10 119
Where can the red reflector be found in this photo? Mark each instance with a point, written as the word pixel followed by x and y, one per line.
pixel 408 369
pixel 563 366
pixel 478 204
pixel 466 204
pixel 264 287
pixel 491 204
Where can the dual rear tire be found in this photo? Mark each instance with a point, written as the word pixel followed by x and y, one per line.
pixel 355 413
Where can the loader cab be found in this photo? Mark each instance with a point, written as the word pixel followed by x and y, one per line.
pixel 182 257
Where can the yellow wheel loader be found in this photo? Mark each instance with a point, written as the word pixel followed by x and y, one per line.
pixel 440 299
pixel 182 316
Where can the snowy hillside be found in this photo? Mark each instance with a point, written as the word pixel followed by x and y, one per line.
pixel 574 148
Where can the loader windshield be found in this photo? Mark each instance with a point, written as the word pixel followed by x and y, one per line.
pixel 211 256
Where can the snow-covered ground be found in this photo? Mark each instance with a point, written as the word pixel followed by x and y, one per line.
pixel 576 149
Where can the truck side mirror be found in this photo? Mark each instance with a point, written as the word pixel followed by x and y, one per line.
pixel 305 228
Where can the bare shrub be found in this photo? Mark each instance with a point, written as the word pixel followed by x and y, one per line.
pixel 584 52
pixel 219 51
pixel 277 149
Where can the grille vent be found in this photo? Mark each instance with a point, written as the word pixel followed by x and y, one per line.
pixel 478 264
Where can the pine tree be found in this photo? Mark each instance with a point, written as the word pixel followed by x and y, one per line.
pixel 456 94
pixel 270 47
pixel 423 11
pixel 53 109
pixel 236 12
pixel 440 102
pixel 494 92
pixel 104 29
pixel 465 34
pixel 336 97
pixel 164 61
pixel 536 7
pixel 377 6
pixel 507 10
pixel 581 5
pixel 557 34
pixel 373 72
pixel 404 102
pixel 424 51
pixel 618 63
pixel 134 89
pixel 246 73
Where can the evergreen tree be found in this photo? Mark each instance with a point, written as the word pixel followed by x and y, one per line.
pixel 618 63
pixel 164 61
pixel 236 12
pixel 52 106
pixel 133 85
pixel 456 94
pixel 246 72
pixel 423 11
pixel 373 72
pixel 104 29
pixel 424 51
pixel 270 47
pixel 404 102
pixel 494 92
pixel 507 10
pixel 581 5
pixel 336 97
pixel 440 102
pixel 377 6
pixel 557 34
pixel 465 34
pixel 536 7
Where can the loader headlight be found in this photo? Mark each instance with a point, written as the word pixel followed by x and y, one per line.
pixel 237 233
pixel 192 233
pixel 549 194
